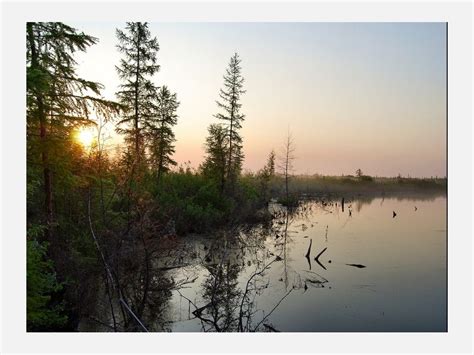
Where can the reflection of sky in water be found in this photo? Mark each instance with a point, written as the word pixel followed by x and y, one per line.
pixel 402 287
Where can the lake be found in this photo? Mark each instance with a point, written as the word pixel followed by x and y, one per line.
pixel 377 266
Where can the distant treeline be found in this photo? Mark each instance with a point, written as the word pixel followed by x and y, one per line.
pixel 368 185
pixel 97 219
pixel 94 219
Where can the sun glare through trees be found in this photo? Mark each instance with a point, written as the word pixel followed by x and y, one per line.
pixel 130 234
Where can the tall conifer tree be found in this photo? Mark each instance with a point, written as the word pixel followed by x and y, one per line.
pixel 160 131
pixel 230 104
pixel 214 164
pixel 137 67
pixel 58 100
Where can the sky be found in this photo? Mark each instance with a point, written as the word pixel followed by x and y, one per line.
pixel 354 95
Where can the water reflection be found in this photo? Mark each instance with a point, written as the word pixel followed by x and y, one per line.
pixel 328 265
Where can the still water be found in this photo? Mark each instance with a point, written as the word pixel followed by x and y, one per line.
pixel 379 264
pixel 377 272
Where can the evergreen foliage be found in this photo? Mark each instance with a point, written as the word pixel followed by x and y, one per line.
pixel 232 118
pixel 215 163
pixel 160 131
pixel 137 91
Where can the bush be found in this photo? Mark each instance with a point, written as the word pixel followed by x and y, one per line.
pixel 193 202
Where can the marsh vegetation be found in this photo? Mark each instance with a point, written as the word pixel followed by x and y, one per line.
pixel 129 240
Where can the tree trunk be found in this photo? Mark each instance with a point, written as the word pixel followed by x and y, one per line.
pixel 137 136
pixel 286 177
pixel 161 154
pixel 48 186
pixel 41 115
pixel 229 162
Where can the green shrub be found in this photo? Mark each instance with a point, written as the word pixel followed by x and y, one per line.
pixel 192 201
pixel 42 313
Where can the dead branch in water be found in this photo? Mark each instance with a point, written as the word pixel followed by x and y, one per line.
pixel 360 266
pixel 317 258
pixel 244 296
pixel 269 314
pixel 309 249
pixel 307 256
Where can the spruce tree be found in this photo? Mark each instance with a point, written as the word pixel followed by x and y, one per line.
pixel 160 131
pixel 137 67
pixel 58 100
pixel 266 174
pixel 214 165
pixel 270 166
pixel 232 117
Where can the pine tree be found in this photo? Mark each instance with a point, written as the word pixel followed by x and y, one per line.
pixel 214 165
pixel 137 67
pixel 230 105
pixel 160 131
pixel 57 99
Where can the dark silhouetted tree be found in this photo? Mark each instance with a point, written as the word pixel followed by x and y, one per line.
pixel 214 164
pixel 137 67
pixel 58 100
pixel 160 131
pixel 266 174
pixel 286 162
pixel 270 166
pixel 230 104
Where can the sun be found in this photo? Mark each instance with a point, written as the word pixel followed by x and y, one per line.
pixel 86 136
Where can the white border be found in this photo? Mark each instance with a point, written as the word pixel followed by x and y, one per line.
pixel 458 338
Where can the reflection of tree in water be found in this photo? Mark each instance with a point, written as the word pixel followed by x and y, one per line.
pixel 147 298
pixel 136 291
pixel 236 264
pixel 358 201
pixel 285 217
pixel 221 294
pixel 226 304
pixel 237 267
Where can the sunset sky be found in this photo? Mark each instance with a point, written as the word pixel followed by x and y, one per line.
pixel 369 96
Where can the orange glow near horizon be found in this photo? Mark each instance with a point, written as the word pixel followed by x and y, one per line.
pixel 354 95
